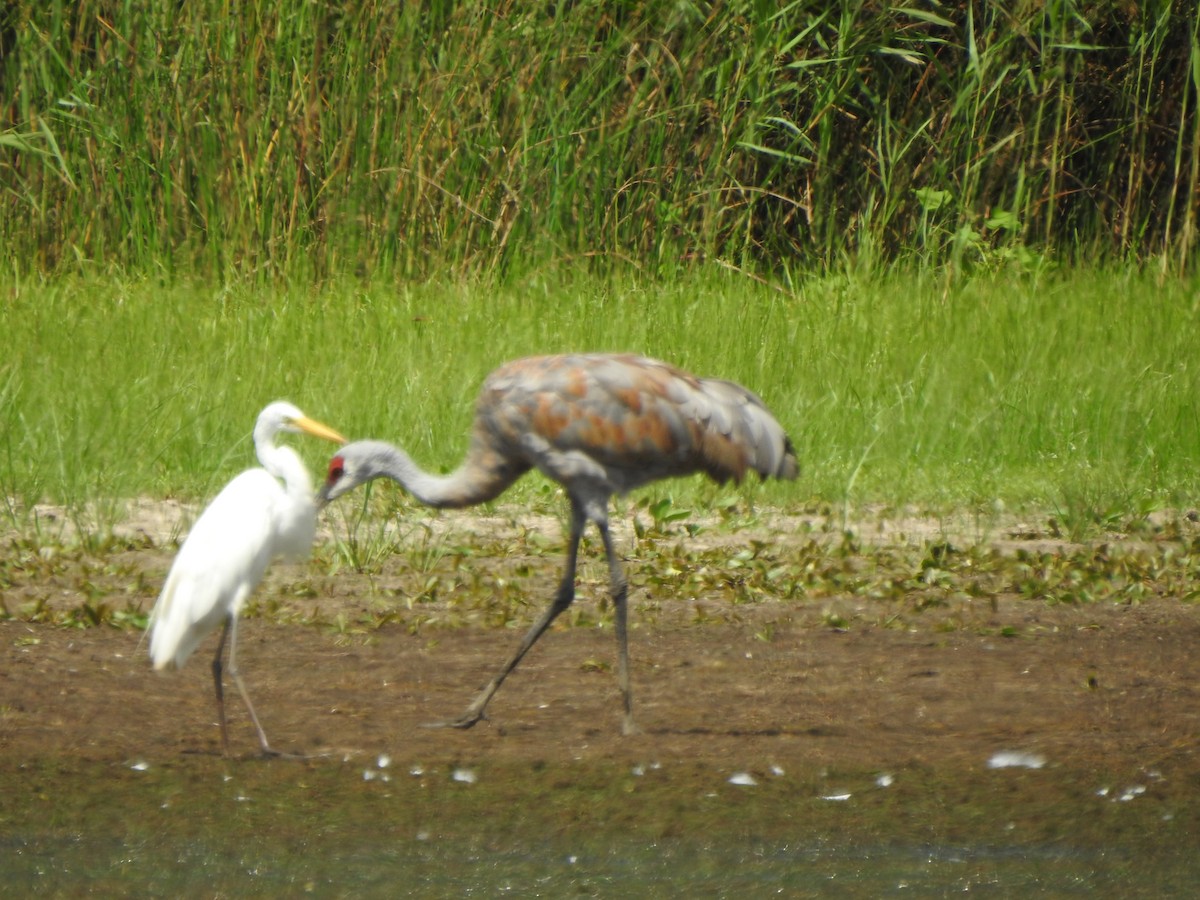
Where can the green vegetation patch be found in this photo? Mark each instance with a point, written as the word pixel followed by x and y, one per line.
pixel 1070 392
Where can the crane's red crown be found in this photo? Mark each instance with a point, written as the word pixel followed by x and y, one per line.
pixel 337 466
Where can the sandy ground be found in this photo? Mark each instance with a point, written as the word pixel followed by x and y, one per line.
pixel 751 688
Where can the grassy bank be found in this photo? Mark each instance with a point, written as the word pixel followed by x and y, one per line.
pixel 1076 389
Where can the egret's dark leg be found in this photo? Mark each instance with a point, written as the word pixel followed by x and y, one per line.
pixel 231 625
pixel 562 599
pixel 619 590
pixel 220 688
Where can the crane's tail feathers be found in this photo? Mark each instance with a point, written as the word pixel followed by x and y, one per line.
pixel 742 435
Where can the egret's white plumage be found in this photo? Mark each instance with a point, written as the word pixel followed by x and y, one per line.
pixel 254 520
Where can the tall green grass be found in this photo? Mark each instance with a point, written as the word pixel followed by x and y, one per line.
pixel 263 139
pixel 1065 389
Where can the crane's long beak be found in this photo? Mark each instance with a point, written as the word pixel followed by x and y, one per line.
pixel 317 429
pixel 323 495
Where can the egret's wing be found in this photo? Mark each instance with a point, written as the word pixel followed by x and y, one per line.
pixel 220 563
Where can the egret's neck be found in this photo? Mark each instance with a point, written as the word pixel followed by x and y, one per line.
pixel 285 463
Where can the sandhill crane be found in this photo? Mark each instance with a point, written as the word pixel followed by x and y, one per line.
pixel 599 425
pixel 252 521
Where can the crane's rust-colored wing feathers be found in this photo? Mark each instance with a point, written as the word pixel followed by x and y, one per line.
pixel 638 418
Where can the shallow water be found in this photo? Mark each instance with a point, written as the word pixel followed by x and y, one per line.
pixel 204 827
pixel 453 868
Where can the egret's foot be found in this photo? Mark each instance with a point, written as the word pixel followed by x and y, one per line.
pixel 279 754
pixel 263 753
pixel 628 728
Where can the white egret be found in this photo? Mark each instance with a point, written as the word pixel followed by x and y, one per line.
pixel 251 522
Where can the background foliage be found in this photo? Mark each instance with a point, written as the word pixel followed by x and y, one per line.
pixel 424 138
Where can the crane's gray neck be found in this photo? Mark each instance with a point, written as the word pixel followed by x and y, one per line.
pixel 465 486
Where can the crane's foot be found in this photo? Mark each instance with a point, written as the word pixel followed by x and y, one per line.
pixel 467 720
pixel 266 751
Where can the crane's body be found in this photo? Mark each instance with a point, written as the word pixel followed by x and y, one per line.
pixel 251 522
pixel 604 424
pixel 599 424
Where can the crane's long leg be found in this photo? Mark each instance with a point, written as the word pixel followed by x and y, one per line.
pixel 619 590
pixel 562 599
pixel 230 630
